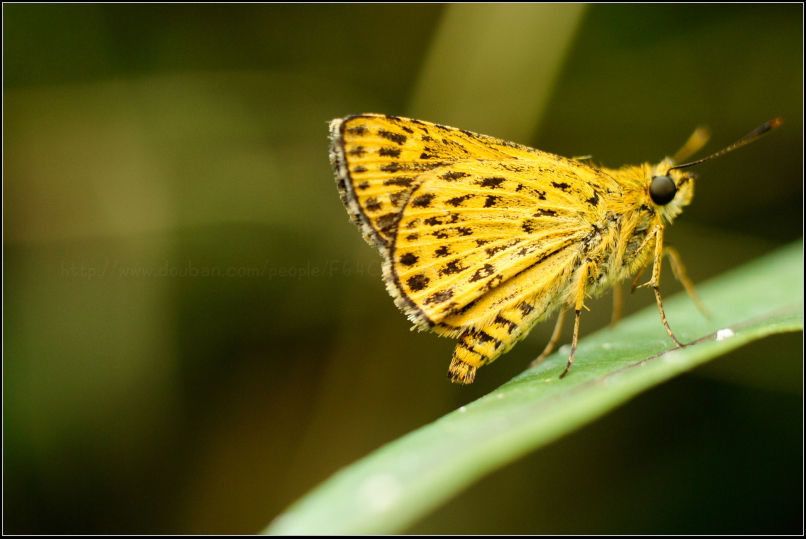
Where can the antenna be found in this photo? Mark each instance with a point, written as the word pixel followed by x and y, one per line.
pixel 752 136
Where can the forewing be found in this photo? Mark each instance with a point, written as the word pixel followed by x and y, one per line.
pixel 379 159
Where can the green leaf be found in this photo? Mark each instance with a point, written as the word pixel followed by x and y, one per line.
pixel 402 481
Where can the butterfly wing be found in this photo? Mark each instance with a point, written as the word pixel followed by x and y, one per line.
pixel 480 236
pixel 379 159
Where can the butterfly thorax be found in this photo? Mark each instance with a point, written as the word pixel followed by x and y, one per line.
pixel 623 243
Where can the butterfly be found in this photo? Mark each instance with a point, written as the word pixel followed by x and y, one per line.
pixel 482 238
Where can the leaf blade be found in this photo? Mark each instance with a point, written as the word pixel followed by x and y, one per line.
pixel 403 480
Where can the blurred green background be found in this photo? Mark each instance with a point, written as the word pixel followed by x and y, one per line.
pixel 196 335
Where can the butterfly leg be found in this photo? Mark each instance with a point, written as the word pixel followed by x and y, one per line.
pixel 654 282
pixel 574 340
pixel 679 271
pixel 555 337
pixel 579 304
pixel 637 279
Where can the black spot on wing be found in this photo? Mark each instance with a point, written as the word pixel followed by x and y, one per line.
pixel 542 212
pixel 387 223
pixel 396 198
pixel 358 130
pixel 433 221
pixel 562 186
pixel 396 166
pixel 498 248
pixel 509 324
pixel 408 259
pixel 372 204
pixel 457 201
pixel 423 201
pixel 402 181
pixel 485 337
pixel 418 282
pixel 526 308
pixel 492 183
pixel 439 297
pixel 491 201
pixel 482 272
pixel 492 283
pixel 389 152
pixel 452 267
pixel 397 138
pixel 392 167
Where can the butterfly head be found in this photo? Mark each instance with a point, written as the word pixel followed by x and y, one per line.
pixel 669 191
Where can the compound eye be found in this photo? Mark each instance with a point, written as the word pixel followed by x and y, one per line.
pixel 662 190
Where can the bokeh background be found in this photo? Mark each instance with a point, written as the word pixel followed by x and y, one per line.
pixel 195 335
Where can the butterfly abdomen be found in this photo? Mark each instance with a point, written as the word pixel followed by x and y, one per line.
pixel 479 347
